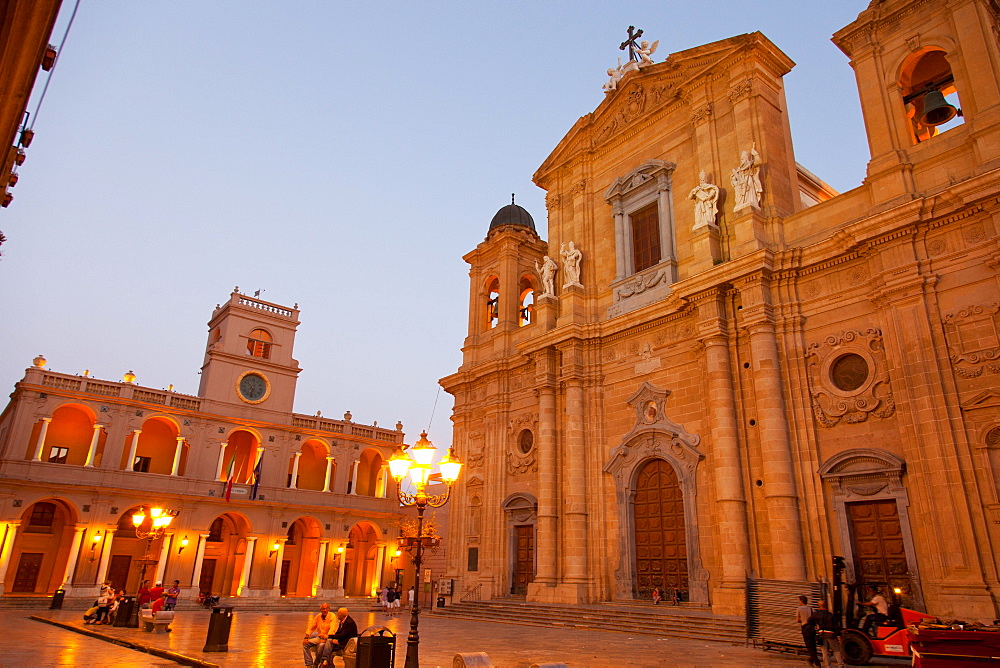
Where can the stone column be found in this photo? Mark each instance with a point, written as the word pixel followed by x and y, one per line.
pixel 780 494
pixel 574 539
pixel 161 562
pixel 40 443
pixel 247 562
pixel 198 556
pixel 354 475
pixel 102 568
pixel 6 547
pixel 320 568
pixel 339 589
pixel 734 547
pixel 222 459
pixel 620 261
pixel 326 478
pixel 380 566
pixel 92 451
pixel 545 555
pixel 74 553
pixel 292 484
pixel 177 455
pixel 131 450
pixel 383 477
pixel 279 555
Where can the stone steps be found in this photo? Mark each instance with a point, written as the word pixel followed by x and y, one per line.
pixel 637 618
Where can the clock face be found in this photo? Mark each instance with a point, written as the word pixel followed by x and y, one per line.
pixel 253 387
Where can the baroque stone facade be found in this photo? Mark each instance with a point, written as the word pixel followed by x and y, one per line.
pixel 813 377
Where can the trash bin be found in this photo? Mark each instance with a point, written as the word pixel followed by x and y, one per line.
pixel 126 611
pixel 440 601
pixel 219 624
pixel 57 599
pixel 376 648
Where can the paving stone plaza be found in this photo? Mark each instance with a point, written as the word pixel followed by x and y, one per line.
pixel 263 639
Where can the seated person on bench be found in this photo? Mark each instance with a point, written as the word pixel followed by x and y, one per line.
pixel 347 628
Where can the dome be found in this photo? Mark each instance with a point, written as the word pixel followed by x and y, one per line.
pixel 512 214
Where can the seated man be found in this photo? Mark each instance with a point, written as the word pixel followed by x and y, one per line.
pixel 316 635
pixel 347 628
pixel 879 615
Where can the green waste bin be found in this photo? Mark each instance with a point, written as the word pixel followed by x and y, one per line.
pixel 57 599
pixel 219 624
pixel 376 648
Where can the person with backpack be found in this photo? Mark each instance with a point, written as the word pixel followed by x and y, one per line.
pixel 802 614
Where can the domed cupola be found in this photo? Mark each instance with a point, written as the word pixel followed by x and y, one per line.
pixel 512 214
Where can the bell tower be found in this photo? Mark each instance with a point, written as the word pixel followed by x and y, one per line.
pixel 248 358
pixel 929 80
pixel 504 284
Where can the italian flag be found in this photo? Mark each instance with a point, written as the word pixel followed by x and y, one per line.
pixel 229 478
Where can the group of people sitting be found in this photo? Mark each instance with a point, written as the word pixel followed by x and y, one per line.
pixel 326 635
pixel 105 608
pixel 675 596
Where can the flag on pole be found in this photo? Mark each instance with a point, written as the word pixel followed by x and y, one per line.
pixel 256 478
pixel 229 478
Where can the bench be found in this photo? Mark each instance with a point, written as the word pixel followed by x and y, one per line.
pixel 349 653
pixel 158 624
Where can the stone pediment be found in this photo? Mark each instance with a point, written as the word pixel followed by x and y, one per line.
pixel 648 403
pixel 984 399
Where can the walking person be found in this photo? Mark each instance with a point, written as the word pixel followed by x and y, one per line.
pixel 383 599
pixel 826 636
pixel 412 594
pixel 802 614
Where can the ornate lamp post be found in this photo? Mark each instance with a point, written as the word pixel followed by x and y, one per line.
pixel 158 521
pixel 418 464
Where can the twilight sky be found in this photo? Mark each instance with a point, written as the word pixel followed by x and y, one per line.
pixel 341 155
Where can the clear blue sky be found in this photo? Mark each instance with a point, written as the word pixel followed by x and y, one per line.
pixel 342 155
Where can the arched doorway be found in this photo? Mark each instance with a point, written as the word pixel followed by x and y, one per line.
pixel 362 567
pixel 521 511
pixel 658 530
pixel 300 558
pixel 41 547
pixel 225 550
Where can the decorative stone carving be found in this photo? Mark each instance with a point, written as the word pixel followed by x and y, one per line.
pixel 655 436
pixel 973 336
pixel 698 115
pixel 640 283
pixel 571 265
pixel 746 180
pixel 519 461
pixel 476 449
pixel 647 363
pixel 547 272
pixel 626 112
pixel 849 378
pixel 706 197
pixel 739 90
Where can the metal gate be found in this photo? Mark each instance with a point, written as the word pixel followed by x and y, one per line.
pixel 771 610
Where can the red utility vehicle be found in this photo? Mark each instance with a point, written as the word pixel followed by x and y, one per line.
pixel 891 638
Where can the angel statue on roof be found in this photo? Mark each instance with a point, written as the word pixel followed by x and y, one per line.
pixel 646 50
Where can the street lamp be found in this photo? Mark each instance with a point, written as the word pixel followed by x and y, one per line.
pixel 157 520
pixel 418 465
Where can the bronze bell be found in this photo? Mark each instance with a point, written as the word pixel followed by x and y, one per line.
pixel 936 109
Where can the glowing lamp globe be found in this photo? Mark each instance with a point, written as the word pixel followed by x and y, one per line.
pixel 450 467
pixel 399 464
pixel 423 451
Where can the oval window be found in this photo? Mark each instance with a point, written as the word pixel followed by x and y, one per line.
pixel 849 372
pixel 526 441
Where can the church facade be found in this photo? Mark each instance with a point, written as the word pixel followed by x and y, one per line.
pixel 717 366
pixel 266 502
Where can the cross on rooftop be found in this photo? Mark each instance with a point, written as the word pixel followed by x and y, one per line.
pixel 631 42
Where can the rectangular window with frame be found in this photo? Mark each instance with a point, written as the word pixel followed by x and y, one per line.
pixel 141 464
pixel 473 564
pixel 43 516
pixel 645 237
pixel 57 455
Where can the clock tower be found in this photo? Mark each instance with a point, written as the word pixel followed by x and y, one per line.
pixel 248 359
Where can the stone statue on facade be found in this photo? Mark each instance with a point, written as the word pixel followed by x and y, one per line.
pixel 616 74
pixel 571 265
pixel 746 180
pixel 706 198
pixel 548 273
pixel 646 50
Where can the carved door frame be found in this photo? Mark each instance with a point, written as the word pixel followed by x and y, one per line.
pixel 520 509
pixel 863 475
pixel 654 436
